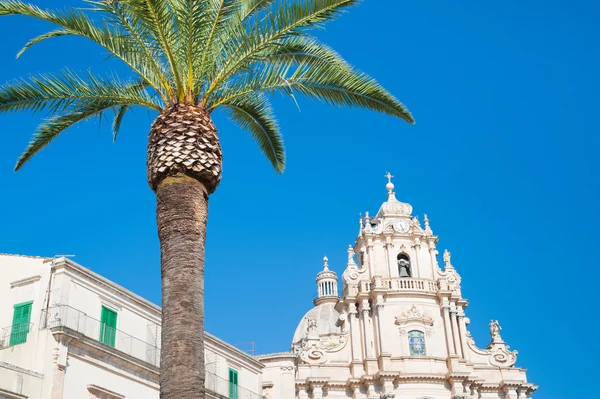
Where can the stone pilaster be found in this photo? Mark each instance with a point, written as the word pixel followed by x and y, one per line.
pixel 368 330
pixel 455 333
pixel 448 328
pixel 59 357
pixel 463 334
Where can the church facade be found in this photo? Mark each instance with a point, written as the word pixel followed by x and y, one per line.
pixel 398 329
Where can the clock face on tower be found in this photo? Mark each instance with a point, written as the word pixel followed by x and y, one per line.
pixel 401 225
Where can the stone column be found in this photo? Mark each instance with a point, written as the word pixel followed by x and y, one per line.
pixel 376 321
pixel 448 328
pixel 368 329
pixel 432 256
pixel 455 334
pixel 463 334
pixel 370 256
pixel 357 355
pixel 386 246
pixel 61 352
pixel 416 272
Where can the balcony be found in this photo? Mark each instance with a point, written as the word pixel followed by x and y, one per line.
pixel 401 284
pixel 67 317
pixel 15 334
pixel 64 316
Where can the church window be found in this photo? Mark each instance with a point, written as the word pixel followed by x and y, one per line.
pixel 416 343
pixel 404 269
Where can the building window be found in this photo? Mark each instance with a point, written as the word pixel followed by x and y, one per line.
pixel 233 384
pixel 416 343
pixel 20 324
pixel 108 326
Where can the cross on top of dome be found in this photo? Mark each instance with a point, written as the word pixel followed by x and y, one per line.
pixel 393 208
pixel 389 185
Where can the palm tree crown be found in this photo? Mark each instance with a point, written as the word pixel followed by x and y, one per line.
pixel 207 53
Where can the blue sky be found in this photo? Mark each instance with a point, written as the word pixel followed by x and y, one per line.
pixel 503 159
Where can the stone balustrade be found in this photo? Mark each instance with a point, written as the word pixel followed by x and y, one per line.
pixel 391 284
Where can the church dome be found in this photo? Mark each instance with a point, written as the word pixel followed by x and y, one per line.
pixel 326 317
pixel 392 207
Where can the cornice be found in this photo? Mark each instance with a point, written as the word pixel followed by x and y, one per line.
pixel 25 281
pixel 422 378
pixel 21 370
pixel 276 356
pixel 104 392
pixel 11 395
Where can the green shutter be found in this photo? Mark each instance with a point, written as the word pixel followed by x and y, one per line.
pixel 233 384
pixel 20 324
pixel 108 327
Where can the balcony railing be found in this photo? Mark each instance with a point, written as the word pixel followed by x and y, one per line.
pixel 15 334
pixel 221 386
pixel 402 284
pixel 76 320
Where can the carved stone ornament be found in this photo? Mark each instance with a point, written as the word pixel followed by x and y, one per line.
pixel 313 355
pixel 313 348
pixel 449 279
pixel 413 315
pixel 497 352
pixel 502 357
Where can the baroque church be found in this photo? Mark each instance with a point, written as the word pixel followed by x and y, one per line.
pixel 399 328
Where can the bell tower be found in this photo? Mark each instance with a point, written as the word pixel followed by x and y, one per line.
pixel 327 285
pixel 393 244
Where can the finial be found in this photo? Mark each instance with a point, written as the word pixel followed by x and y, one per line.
pixel 360 218
pixel 389 186
pixel 427 227
pixel 325 263
pixel 447 258
pixel 367 221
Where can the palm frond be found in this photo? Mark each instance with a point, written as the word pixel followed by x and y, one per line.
pixel 51 128
pixel 79 24
pixel 44 36
pixel 191 20
pixel 58 92
pixel 158 18
pixel 333 83
pixel 119 114
pixel 144 40
pixel 282 19
pixel 255 114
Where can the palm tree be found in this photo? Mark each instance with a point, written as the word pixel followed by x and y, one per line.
pixel 188 58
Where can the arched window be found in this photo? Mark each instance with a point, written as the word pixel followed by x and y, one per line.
pixel 404 269
pixel 416 343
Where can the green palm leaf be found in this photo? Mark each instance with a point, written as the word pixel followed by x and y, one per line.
pixel 214 53
pixel 255 114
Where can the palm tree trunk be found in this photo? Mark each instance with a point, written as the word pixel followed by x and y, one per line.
pixel 181 214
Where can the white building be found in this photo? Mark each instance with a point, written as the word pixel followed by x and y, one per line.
pixel 70 333
pixel 398 329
